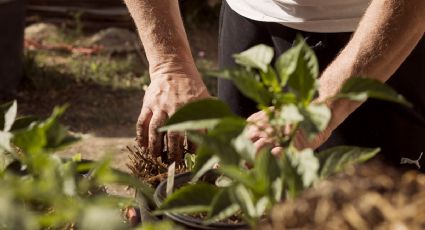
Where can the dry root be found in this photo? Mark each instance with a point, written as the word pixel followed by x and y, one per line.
pixel 147 168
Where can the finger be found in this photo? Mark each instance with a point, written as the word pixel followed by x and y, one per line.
pixel 255 133
pixel 156 139
pixel 277 151
pixel 257 117
pixel 142 127
pixel 175 145
pixel 263 143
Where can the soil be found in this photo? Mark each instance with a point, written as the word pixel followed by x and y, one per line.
pixel 369 196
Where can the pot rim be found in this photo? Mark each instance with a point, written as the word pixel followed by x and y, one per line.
pixel 187 220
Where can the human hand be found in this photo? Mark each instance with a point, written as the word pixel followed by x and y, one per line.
pixel 263 135
pixel 168 91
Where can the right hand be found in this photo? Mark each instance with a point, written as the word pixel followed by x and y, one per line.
pixel 170 88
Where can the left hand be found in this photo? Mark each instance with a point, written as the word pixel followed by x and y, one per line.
pixel 261 134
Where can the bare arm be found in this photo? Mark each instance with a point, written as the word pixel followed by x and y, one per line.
pixel 161 30
pixel 174 77
pixel 387 34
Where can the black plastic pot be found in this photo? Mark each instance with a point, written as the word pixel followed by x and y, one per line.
pixel 187 221
pixel 12 18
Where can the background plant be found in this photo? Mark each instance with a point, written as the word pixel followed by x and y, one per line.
pixel 286 93
pixel 43 191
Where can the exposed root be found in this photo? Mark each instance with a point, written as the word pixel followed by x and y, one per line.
pixel 147 168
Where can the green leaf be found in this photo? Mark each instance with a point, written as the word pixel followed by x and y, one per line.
pixel 191 125
pixel 246 82
pixel 190 199
pixel 102 173
pixel 266 171
pixel 335 159
pixel 222 206
pixel 44 136
pixel 5 160
pixel 285 98
pixel 31 140
pixel 5 138
pixel 286 64
pixel 189 161
pixel 271 80
pixel 306 164
pixel 244 199
pixel 205 160
pixel 290 114
pixel 257 57
pixel 262 205
pixel 299 66
pixel 200 110
pixel 228 129
pixel 317 117
pixel 220 148
pixel 361 88
pixel 9 116
pixel 277 189
pixel 101 218
pixel 203 124
pixel 240 176
pixel 291 179
pixel 245 147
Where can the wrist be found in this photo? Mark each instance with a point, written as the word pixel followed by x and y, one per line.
pixel 175 67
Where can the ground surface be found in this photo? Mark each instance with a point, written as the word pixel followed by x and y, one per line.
pixel 104 101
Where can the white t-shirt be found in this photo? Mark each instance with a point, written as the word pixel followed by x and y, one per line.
pixel 325 16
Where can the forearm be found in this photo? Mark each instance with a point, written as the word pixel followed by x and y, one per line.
pixel 388 32
pixel 163 36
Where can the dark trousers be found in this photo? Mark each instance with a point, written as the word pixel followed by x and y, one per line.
pixel 12 18
pixel 398 130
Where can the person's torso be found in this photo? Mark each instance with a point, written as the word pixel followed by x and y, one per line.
pixel 307 15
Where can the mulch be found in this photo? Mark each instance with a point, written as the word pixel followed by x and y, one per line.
pixel 374 195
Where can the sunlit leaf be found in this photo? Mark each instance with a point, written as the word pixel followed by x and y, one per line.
pixel 291 179
pixel 336 159
pixel 317 117
pixel 200 110
pixel 299 66
pixel 290 114
pixel 245 147
pixel 307 166
pixel 191 125
pixel 244 199
pixel 9 116
pixel 5 138
pixel 262 205
pixel 258 57
pixel 271 80
pixel 360 89
pixel 247 84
